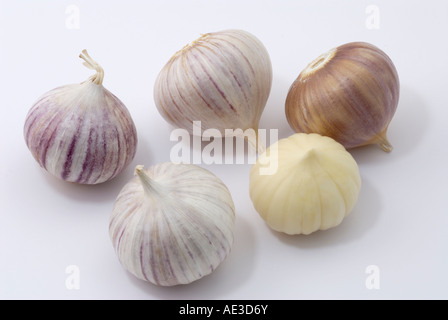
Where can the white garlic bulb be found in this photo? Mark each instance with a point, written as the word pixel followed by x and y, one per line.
pixel 81 132
pixel 172 223
pixel 223 79
pixel 315 186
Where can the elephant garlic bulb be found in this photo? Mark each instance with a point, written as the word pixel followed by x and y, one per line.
pixel 81 132
pixel 349 93
pixel 223 79
pixel 172 223
pixel 315 186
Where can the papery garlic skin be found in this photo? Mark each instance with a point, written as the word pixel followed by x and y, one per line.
pixel 349 93
pixel 315 187
pixel 172 223
pixel 222 79
pixel 81 132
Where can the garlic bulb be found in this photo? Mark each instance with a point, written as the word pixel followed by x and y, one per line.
pixel 315 186
pixel 349 93
pixel 81 132
pixel 172 223
pixel 223 79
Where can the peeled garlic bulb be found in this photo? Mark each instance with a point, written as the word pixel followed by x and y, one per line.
pixel 223 79
pixel 81 132
pixel 172 223
pixel 315 186
pixel 349 93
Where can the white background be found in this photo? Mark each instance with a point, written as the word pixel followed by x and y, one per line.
pixel 399 223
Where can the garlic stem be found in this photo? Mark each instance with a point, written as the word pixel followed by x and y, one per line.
pixel 150 186
pixel 93 65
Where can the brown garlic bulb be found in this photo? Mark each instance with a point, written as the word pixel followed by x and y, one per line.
pixel 349 93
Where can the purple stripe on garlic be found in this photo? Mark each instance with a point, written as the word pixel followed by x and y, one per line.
pixel 81 132
pixel 172 224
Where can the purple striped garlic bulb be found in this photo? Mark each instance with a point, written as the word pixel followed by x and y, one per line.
pixel 172 223
pixel 81 132
pixel 223 79
pixel 349 93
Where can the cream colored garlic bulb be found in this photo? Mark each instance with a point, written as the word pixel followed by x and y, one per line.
pixel 315 186
pixel 223 79
pixel 172 223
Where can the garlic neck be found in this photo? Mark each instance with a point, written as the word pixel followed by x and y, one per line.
pixel 93 65
pixel 309 157
pixel 151 187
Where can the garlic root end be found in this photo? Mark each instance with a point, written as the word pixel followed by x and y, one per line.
pixel 384 143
